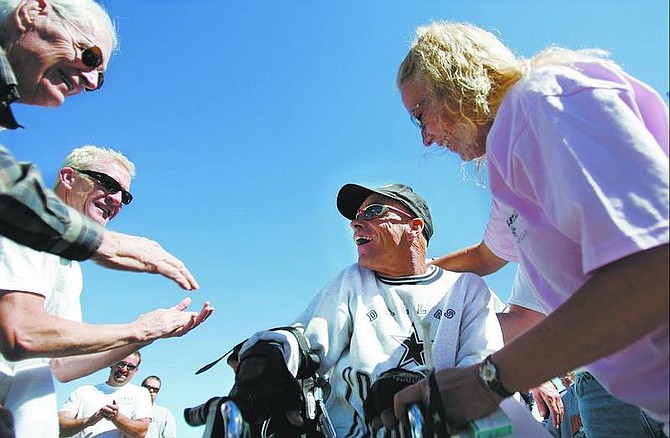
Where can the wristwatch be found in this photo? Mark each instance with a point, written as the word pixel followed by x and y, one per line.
pixel 489 374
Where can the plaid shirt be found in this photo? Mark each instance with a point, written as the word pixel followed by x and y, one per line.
pixel 31 214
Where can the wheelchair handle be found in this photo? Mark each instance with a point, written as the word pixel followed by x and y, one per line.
pixel 233 423
pixel 415 422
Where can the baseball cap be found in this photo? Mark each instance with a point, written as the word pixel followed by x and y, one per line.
pixel 351 196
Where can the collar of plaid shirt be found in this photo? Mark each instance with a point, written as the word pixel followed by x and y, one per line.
pixel 8 93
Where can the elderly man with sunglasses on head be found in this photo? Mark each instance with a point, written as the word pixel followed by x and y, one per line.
pixel 40 312
pixel 380 319
pixel 50 50
pixel 114 408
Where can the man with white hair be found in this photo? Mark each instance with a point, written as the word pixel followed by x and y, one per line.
pixel 50 50
pixel 40 313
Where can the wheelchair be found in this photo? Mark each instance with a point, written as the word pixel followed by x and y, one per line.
pixel 223 419
pixel 250 409
pixel 237 416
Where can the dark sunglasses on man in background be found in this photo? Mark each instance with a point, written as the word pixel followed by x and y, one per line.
pixel 109 184
pixel 126 365
pixel 152 388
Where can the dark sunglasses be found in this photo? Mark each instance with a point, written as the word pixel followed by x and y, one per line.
pixel 109 184
pixel 374 210
pixel 126 365
pixel 92 58
pixel 152 388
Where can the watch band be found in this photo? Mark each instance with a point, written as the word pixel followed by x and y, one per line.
pixel 490 374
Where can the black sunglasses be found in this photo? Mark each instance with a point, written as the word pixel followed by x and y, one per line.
pixel 126 365
pixel 152 388
pixel 92 58
pixel 109 184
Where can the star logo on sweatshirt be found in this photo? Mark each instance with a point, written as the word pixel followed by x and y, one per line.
pixel 413 347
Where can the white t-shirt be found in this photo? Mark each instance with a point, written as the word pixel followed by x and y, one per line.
pixel 26 386
pixel 578 169
pixel 57 279
pixel 522 294
pixel 162 424
pixel 134 402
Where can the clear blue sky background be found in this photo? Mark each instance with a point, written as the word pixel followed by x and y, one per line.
pixel 244 119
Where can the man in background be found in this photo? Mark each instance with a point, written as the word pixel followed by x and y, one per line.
pixel 115 408
pixel 162 422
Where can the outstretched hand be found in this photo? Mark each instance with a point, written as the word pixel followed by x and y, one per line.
pixel 172 322
pixel 196 318
pixel 132 253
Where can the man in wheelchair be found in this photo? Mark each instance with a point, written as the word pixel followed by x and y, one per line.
pixel 371 328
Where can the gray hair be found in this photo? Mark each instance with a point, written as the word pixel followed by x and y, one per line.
pixel 80 12
pixel 85 158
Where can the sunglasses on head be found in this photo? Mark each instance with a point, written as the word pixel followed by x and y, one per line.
pixel 375 210
pixel 109 184
pixel 126 365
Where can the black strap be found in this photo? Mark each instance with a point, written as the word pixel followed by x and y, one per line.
pixel 309 361
pixel 211 364
pixel 437 426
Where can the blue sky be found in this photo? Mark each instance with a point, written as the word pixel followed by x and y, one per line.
pixel 244 119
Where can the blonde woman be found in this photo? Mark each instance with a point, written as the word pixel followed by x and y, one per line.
pixel 577 156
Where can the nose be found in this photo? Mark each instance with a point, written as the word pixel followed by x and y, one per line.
pixel 114 200
pixel 426 138
pixel 116 197
pixel 89 79
pixel 356 223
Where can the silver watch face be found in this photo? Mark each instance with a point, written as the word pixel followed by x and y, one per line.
pixel 488 372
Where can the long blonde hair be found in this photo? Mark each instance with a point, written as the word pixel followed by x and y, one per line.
pixel 470 69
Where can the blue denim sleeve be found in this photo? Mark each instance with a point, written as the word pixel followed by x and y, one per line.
pixel 33 215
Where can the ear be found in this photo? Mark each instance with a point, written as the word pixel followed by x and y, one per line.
pixel 67 176
pixel 416 225
pixel 27 12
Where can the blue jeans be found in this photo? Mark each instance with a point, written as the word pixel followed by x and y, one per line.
pixel 606 416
